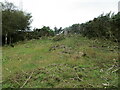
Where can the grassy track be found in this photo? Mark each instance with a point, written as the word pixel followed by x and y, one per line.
pixel 74 62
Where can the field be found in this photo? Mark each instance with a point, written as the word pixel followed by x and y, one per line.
pixel 73 62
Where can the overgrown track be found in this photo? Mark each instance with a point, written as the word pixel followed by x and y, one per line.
pixel 73 62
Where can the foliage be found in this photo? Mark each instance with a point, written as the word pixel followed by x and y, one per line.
pixel 104 26
pixel 75 28
pixel 13 21
pixel 44 31
pixel 115 26
pixel 57 31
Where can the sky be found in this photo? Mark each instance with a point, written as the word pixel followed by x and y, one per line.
pixel 64 13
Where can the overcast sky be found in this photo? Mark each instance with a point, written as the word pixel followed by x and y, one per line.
pixel 63 13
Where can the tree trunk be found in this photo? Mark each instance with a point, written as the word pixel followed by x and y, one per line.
pixel 10 40
pixel 6 38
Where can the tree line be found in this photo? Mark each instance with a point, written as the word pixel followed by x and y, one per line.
pixel 16 26
pixel 104 26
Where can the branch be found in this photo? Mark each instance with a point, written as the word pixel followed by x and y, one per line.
pixel 27 80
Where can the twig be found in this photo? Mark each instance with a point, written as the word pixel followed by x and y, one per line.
pixel 115 70
pixel 24 72
pixel 16 82
pixel 78 77
pixel 26 80
pixel 110 68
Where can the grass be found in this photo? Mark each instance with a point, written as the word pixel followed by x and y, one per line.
pixel 74 62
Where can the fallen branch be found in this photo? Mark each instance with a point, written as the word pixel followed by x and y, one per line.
pixel 24 72
pixel 115 70
pixel 27 80
pixel 111 68
pixel 16 82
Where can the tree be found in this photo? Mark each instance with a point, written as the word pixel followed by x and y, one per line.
pixel 44 31
pixel 75 28
pixel 104 26
pixel 115 26
pixel 14 20
pixel 56 30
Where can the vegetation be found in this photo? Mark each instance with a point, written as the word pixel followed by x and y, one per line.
pixel 13 21
pixel 74 62
pixel 79 56
pixel 17 23
pixel 105 27
pixel 43 32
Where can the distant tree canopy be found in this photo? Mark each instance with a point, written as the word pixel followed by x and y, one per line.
pixel 44 31
pixel 105 26
pixel 16 26
pixel 57 31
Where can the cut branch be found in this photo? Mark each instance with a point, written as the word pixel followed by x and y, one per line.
pixel 26 80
